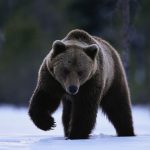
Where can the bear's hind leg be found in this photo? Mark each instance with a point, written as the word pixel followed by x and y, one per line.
pixel 116 105
pixel 66 113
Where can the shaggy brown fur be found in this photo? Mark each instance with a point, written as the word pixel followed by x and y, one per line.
pixel 85 72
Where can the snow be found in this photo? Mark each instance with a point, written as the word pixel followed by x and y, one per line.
pixel 17 132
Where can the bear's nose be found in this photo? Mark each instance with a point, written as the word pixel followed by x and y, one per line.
pixel 73 89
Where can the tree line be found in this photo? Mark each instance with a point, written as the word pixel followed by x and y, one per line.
pixel 28 28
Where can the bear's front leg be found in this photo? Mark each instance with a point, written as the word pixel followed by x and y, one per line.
pixel 39 110
pixel 66 116
pixel 45 100
pixel 84 112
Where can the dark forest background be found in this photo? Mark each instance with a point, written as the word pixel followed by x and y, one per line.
pixel 28 28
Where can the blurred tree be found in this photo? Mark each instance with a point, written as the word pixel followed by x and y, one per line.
pixel 141 54
pixel 125 15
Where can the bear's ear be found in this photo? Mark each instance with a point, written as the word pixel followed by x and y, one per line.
pixel 58 47
pixel 91 51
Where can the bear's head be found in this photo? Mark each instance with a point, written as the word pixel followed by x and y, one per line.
pixel 72 65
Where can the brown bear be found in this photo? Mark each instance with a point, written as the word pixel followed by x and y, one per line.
pixel 84 72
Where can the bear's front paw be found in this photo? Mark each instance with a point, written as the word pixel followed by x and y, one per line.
pixel 47 124
pixel 44 122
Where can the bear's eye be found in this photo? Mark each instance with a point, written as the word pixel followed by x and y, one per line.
pixel 80 73
pixel 66 71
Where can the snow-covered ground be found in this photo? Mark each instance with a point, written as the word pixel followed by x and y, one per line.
pixel 17 132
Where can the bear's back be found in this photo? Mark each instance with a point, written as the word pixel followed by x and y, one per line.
pixel 80 36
